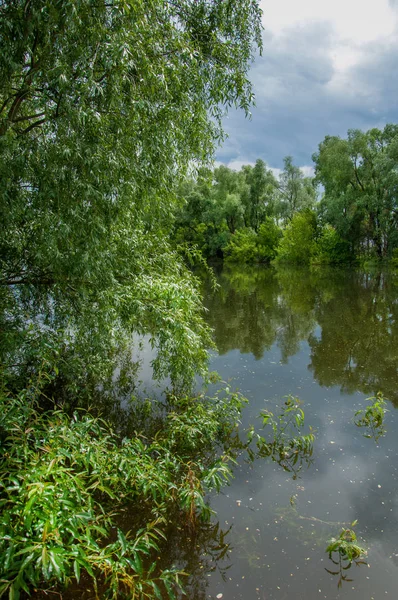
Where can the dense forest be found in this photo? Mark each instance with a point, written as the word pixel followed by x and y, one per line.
pixel 110 115
pixel 346 213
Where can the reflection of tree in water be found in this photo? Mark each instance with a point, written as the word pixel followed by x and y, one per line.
pixel 358 346
pixel 251 312
pixel 198 550
pixel 297 299
pixel 243 311
pixel 357 313
pixel 62 332
pixel 199 553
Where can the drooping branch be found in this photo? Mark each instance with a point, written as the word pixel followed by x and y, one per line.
pixel 33 125
pixel 28 117
pixel 6 101
pixel 19 98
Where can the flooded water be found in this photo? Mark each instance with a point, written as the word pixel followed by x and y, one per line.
pixel 330 338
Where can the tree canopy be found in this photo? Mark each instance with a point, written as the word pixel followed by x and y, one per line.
pixel 347 213
pixel 103 107
pixel 360 180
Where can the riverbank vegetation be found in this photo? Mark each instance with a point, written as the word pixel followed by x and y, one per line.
pixel 104 108
pixel 345 214
pixel 67 482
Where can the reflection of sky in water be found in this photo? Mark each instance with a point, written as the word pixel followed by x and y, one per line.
pixel 277 552
pixel 145 354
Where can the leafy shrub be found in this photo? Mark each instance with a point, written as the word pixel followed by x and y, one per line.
pixel 246 246
pixel 242 247
pixel 298 243
pixel 331 248
pixel 394 259
pixel 269 236
pixel 287 446
pixel 372 417
pixel 65 479
pixel 348 552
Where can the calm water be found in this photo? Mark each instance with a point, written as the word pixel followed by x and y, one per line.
pixel 330 338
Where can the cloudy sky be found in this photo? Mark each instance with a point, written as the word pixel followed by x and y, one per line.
pixel 327 66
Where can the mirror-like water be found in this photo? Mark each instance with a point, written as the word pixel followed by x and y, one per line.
pixel 331 339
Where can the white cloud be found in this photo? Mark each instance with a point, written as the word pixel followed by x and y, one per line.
pixel 356 20
pixel 238 163
pixel 307 171
pixel 353 23
pixel 328 66
pixel 276 172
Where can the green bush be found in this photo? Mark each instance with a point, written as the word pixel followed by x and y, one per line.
pixel 394 259
pixel 298 243
pixel 269 236
pixel 242 247
pixel 331 248
pixel 246 246
pixel 64 481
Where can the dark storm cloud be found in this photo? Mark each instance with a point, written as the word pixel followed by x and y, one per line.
pixel 300 97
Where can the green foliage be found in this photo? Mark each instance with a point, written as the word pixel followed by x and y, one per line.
pixel 359 179
pixel 295 191
pixel 65 481
pixel 348 551
pixel 242 247
pixel 259 199
pixel 372 417
pixel 394 259
pixel 269 236
pixel 357 214
pixel 103 109
pixel 228 203
pixel 331 249
pixel 86 332
pixel 246 246
pixel 287 447
pixel 298 243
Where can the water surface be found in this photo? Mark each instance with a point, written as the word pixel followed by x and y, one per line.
pixel 329 337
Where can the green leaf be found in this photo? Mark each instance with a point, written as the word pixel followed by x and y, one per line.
pixel 13 593
pixel 76 568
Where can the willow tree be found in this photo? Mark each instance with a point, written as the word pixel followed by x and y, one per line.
pixel 103 107
pixel 360 183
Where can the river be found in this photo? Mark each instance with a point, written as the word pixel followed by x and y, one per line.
pixel 330 338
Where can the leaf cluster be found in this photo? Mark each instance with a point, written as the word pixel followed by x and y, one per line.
pixel 372 417
pixel 286 446
pixel 65 481
pixel 348 552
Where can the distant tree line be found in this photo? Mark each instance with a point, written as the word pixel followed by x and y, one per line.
pixel 346 213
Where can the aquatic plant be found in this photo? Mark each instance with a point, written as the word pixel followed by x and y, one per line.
pixel 348 552
pixel 372 417
pixel 66 481
pixel 288 446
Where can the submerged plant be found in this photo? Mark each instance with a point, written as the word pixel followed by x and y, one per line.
pixel 66 480
pixel 287 446
pixel 372 417
pixel 348 552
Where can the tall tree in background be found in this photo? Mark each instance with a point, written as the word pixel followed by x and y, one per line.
pixel 360 181
pixel 229 187
pixel 103 106
pixel 295 191
pixel 258 200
